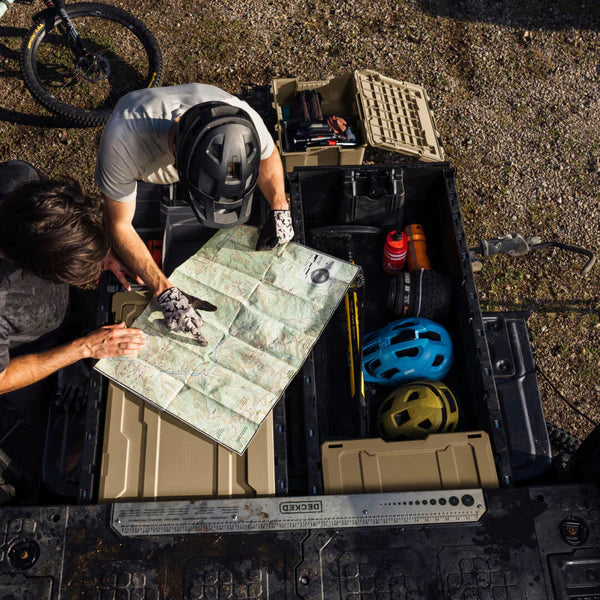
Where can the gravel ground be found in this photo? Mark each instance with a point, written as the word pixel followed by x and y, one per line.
pixel 514 87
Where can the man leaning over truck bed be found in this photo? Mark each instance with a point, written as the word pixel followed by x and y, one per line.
pixel 217 147
pixel 51 237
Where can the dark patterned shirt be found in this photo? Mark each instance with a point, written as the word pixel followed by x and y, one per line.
pixel 30 308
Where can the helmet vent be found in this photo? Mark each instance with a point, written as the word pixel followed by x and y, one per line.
pixel 370 349
pixel 403 325
pixel 403 336
pixel 233 171
pixel 386 405
pixel 450 399
pixel 216 150
pixel 431 335
pixel 409 352
pixel 426 424
pixel 401 418
pixel 375 364
pixel 437 361
pixel 413 396
pixel 389 373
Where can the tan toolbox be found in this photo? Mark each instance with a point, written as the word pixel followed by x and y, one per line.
pixel 441 461
pixel 387 113
pixel 149 454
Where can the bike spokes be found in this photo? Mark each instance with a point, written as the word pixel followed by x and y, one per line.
pixel 93 67
pixel 80 67
pixel 114 62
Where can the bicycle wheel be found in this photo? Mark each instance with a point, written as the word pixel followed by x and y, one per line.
pixel 562 442
pixel 121 55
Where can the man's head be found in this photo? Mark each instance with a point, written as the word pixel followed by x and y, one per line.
pixel 217 155
pixel 49 227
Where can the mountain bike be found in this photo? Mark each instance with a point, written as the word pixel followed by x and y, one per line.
pixel 79 59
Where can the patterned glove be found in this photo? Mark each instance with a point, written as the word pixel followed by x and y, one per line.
pixel 180 312
pixel 276 231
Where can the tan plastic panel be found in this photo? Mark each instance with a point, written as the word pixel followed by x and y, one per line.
pixel 397 116
pixel 127 306
pixel 149 454
pixel 441 461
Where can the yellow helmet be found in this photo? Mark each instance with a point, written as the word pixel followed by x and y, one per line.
pixel 416 409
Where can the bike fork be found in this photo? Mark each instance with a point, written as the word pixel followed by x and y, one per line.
pixel 77 45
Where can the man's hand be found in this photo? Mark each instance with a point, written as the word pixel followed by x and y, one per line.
pixel 180 312
pixel 113 340
pixel 113 264
pixel 276 231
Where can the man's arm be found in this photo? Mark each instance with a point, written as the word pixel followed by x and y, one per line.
pixel 129 246
pixel 279 228
pixel 271 181
pixel 111 340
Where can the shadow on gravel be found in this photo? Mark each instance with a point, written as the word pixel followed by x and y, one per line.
pixel 259 98
pixel 11 70
pixel 33 120
pixel 534 14
pixel 575 306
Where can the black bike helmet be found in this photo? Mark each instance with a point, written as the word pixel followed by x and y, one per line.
pixel 217 154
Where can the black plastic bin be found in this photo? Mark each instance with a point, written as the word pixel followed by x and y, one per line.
pixel 513 366
pixel 317 406
pixel 320 198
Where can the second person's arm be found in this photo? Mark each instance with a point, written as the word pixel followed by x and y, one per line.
pixel 129 247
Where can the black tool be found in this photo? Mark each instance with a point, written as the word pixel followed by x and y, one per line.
pixel 314 139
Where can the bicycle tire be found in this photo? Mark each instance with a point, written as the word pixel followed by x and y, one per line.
pixel 111 16
pixel 563 442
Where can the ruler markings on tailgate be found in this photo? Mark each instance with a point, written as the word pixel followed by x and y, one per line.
pixel 306 512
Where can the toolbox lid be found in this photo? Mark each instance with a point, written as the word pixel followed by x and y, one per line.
pixel 397 116
pixel 149 454
pixel 441 461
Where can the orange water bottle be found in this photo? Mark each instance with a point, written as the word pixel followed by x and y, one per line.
pixel 394 252
pixel 417 248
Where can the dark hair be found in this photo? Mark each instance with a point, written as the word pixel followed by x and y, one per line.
pixel 49 227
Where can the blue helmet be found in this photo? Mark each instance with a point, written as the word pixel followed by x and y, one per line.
pixel 406 350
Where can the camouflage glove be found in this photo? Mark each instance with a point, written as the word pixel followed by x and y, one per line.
pixel 180 312
pixel 276 231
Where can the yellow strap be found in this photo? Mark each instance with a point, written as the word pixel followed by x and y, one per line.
pixel 347 305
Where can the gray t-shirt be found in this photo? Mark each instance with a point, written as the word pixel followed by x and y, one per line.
pixel 134 144
pixel 30 308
